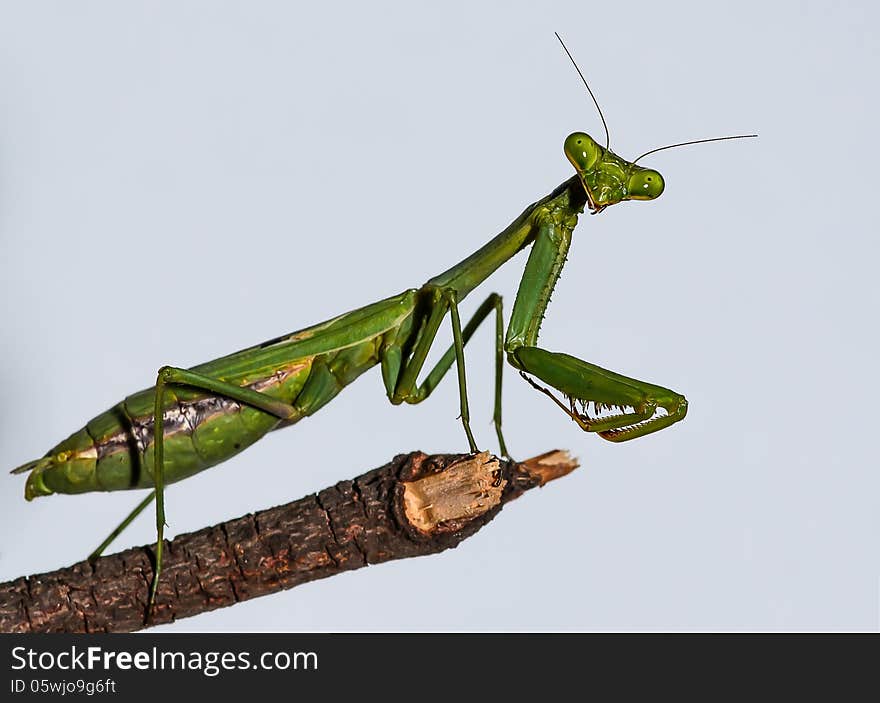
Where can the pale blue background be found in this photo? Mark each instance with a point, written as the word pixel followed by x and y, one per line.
pixel 262 166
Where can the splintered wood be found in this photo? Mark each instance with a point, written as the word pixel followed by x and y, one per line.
pixel 463 491
pixel 443 501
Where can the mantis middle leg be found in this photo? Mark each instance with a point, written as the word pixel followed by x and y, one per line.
pixel 401 377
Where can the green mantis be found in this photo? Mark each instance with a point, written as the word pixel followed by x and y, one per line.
pixel 196 418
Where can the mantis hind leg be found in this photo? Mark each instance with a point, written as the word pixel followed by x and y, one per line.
pixel 139 508
pixel 401 382
pixel 170 376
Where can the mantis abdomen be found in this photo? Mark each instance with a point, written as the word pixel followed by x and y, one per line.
pixel 114 451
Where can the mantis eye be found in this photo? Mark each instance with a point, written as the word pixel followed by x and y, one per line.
pixel 582 151
pixel 645 184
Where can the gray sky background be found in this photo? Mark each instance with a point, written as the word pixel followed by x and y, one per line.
pixel 263 166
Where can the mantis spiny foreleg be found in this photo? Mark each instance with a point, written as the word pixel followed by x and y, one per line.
pixel 641 408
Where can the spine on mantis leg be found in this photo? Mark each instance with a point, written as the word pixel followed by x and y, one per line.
pixel 539 279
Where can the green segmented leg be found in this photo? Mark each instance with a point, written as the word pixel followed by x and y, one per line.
pixel 492 302
pixel 122 525
pixel 452 301
pixel 499 374
pixel 583 382
pixel 170 375
pixel 406 389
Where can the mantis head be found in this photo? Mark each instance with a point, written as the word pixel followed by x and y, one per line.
pixel 606 177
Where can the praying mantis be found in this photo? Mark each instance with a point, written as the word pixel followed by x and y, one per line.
pixel 196 418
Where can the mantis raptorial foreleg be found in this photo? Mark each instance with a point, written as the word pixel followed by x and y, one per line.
pixel 585 383
pixel 406 388
pixel 638 408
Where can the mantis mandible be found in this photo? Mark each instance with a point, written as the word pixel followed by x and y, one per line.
pixel 193 419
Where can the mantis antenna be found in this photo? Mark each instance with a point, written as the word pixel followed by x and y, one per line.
pixel 698 141
pixel 595 102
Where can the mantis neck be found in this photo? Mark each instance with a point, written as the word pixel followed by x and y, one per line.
pixel 564 203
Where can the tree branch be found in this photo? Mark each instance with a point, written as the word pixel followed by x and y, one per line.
pixel 414 505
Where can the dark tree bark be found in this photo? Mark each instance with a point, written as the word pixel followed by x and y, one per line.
pixel 414 505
